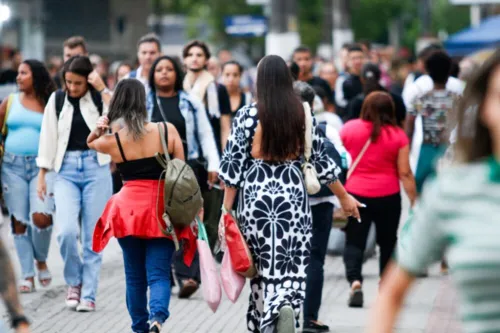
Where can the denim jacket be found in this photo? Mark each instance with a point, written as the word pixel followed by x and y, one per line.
pixel 199 132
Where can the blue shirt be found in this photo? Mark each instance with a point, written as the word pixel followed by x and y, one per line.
pixel 23 129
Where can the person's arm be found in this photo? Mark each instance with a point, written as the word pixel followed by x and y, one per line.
pixel 394 287
pixel 410 126
pixel 225 129
pixel 8 290
pixel 47 147
pixel 3 111
pixel 97 82
pixel 406 175
pixel 178 150
pixel 206 136
pixel 229 197
pixel 347 201
pixel 93 140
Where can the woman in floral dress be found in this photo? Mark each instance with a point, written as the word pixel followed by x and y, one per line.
pixel 263 159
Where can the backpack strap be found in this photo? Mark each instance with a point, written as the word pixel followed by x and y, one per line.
pixel 162 130
pixel 97 100
pixel 10 100
pixel 60 96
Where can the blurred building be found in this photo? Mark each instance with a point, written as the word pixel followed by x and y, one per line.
pixel 111 27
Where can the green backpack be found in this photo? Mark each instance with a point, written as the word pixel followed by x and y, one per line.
pixel 182 194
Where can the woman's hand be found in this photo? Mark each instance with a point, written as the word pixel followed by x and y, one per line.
pixel 41 187
pixel 351 205
pixel 213 178
pixel 96 81
pixel 103 123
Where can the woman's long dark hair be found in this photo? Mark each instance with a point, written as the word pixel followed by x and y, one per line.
pixel 79 65
pixel 129 104
pixel 43 85
pixel 371 75
pixel 379 109
pixel 473 137
pixel 178 73
pixel 280 111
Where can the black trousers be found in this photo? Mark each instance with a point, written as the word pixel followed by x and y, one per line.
pixel 322 216
pixel 385 212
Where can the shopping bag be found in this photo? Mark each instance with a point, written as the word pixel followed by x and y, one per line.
pixel 241 257
pixel 232 282
pixel 404 235
pixel 210 284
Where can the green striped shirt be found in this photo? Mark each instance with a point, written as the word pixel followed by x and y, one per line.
pixel 459 215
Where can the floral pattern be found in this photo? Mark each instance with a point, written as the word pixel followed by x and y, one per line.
pixel 275 219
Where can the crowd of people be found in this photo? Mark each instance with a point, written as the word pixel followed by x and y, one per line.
pixel 76 131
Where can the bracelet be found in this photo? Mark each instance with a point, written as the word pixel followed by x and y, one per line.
pixel 224 210
pixel 18 320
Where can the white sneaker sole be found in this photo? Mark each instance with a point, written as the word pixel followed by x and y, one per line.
pixel 286 320
pixel 84 309
pixel 72 304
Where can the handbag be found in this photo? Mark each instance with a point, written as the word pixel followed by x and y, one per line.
pixel 232 241
pixel 210 284
pixel 340 218
pixel 310 176
pixel 232 282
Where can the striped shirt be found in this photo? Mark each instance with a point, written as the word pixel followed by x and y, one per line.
pixel 458 215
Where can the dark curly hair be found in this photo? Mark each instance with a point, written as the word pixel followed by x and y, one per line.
pixel 43 85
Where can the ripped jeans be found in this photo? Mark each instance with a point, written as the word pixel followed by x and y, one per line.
pixel 19 182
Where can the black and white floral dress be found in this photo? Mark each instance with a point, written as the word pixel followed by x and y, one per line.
pixel 274 216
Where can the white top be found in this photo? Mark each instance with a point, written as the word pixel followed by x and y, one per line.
pixel 333 135
pixel 424 84
pixel 54 134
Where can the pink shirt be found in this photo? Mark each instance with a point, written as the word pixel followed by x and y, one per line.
pixel 377 172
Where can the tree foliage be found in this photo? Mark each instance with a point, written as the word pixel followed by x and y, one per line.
pixel 370 18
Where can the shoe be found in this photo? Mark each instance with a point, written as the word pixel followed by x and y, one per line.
pixel 189 287
pixel 356 296
pixel 73 297
pixel 315 327
pixel 86 306
pixel 155 327
pixel 286 320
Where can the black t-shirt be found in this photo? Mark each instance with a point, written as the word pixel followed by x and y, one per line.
pixel 317 81
pixel 355 105
pixel 8 76
pixel 79 129
pixel 352 87
pixel 225 109
pixel 172 114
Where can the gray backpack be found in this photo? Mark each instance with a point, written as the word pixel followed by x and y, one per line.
pixel 182 194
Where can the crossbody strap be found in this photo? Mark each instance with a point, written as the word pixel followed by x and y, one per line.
pixel 307 132
pixel 360 156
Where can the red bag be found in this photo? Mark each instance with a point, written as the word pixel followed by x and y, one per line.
pixel 241 257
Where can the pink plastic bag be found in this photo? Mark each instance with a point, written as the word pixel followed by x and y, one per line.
pixel 210 284
pixel 232 282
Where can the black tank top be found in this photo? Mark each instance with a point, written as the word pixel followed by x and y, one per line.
pixel 142 168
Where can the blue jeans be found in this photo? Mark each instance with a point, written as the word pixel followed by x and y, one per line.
pixel 19 181
pixel 82 189
pixel 147 264
pixel 322 216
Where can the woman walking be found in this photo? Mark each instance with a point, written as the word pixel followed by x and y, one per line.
pixel 132 214
pixel 274 212
pixel 187 114
pixel 21 115
pixel 83 179
pixel 457 215
pixel 380 151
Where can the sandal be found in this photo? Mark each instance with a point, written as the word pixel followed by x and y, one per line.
pixel 155 327
pixel 26 287
pixel 189 287
pixel 45 277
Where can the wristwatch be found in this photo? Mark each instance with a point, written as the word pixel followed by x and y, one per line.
pixel 18 320
pixel 105 90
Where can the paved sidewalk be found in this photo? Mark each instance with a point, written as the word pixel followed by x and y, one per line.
pixel 429 309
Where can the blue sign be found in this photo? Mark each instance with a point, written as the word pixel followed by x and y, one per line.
pixel 246 25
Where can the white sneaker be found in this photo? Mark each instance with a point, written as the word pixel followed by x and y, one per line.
pixel 86 306
pixel 73 297
pixel 286 320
